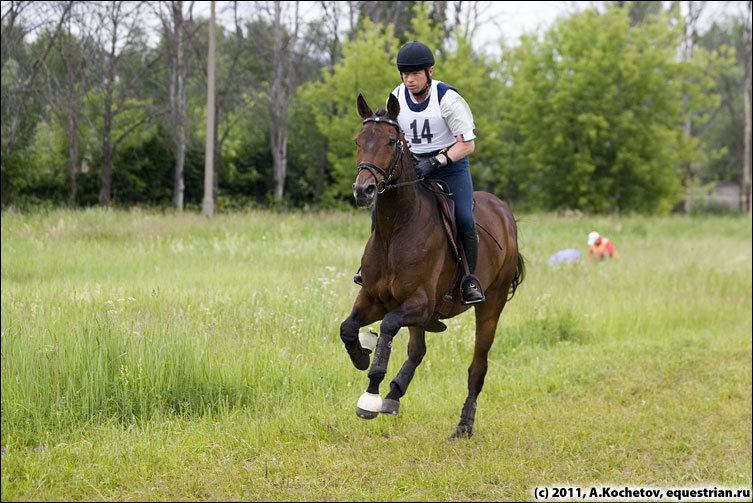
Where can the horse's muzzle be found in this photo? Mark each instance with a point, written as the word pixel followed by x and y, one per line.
pixel 364 193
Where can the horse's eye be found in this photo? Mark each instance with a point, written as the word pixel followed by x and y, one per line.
pixel 393 141
pixel 355 141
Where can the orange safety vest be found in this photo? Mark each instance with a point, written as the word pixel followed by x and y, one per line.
pixel 601 247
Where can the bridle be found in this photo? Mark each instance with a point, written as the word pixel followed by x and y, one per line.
pixel 384 184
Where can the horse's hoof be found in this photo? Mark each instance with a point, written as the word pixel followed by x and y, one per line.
pixel 360 358
pixel 365 414
pixel 435 326
pixel 369 406
pixel 462 432
pixel 390 406
pixel 363 360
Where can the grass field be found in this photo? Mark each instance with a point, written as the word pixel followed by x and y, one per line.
pixel 150 356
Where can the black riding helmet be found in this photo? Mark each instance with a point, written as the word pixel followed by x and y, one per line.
pixel 415 56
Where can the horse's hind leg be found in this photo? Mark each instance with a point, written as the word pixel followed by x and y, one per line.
pixel 487 317
pixel 399 385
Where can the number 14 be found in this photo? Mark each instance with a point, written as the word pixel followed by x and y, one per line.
pixel 425 132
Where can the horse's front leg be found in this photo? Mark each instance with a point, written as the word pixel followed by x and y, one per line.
pixel 399 385
pixel 365 310
pixel 409 314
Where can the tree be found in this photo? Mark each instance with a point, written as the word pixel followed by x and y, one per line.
pixel 279 100
pixel 208 204
pixel 745 185
pixel 174 30
pixel 367 67
pixel 236 77
pixel 69 79
pixel 398 14
pixel 593 113
pixel 689 35
pixel 123 75
pixel 726 132
pixel 21 70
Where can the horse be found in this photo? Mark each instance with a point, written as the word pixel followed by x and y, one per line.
pixel 407 267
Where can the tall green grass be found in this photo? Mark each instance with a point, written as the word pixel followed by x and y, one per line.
pixel 166 356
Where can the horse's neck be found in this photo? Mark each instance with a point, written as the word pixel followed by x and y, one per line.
pixel 396 210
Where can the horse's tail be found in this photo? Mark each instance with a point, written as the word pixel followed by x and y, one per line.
pixel 520 274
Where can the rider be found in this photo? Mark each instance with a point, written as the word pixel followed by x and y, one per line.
pixel 438 125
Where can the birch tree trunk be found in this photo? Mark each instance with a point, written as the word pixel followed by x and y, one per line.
pixel 745 182
pixel 694 11
pixel 277 136
pixel 105 184
pixel 282 84
pixel 73 111
pixel 207 206
pixel 178 103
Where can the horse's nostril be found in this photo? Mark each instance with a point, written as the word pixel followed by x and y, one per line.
pixel 370 189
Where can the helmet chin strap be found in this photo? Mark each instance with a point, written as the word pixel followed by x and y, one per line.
pixel 428 85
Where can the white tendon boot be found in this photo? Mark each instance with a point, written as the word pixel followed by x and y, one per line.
pixel 369 406
pixel 368 340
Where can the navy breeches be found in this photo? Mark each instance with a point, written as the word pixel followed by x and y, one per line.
pixel 457 176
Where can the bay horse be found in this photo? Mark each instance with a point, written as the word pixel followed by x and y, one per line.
pixel 407 267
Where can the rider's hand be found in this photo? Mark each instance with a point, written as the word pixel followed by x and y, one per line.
pixel 426 166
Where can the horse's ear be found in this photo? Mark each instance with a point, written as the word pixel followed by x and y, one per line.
pixel 393 107
pixel 363 109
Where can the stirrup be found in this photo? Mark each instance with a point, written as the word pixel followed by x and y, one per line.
pixel 474 282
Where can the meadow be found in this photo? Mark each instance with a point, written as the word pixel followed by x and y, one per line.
pixel 159 356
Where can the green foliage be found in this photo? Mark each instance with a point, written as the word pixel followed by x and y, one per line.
pixel 725 132
pixel 585 116
pixel 594 113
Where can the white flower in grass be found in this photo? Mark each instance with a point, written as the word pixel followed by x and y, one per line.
pixel 108 302
pixel 131 299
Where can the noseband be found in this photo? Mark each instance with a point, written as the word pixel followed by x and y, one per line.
pixel 384 183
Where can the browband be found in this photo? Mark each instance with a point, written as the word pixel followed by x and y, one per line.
pixel 382 119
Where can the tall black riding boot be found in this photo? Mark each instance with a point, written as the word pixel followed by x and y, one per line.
pixel 470 292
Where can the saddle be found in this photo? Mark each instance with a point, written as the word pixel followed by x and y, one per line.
pixel 447 212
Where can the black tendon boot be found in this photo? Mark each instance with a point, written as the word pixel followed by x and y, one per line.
pixel 469 291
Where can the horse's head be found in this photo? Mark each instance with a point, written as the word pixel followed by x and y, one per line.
pixel 381 146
